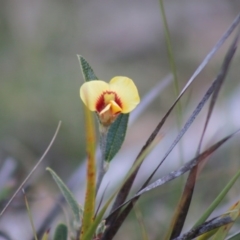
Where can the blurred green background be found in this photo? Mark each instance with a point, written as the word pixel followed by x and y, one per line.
pixel 40 74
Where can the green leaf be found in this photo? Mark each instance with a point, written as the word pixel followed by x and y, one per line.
pixel 61 232
pixel 87 70
pixel 45 235
pixel 218 199
pixel 115 136
pixel 235 236
pixel 72 202
pixel 233 212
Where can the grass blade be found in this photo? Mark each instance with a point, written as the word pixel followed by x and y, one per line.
pixel 170 51
pixel 174 71
pixel 118 219
pixel 235 236
pixel 212 52
pixel 140 220
pixel 206 227
pixel 185 201
pixel 222 232
pixel 45 235
pixel 175 174
pixel 186 167
pixel 30 215
pixel 218 199
pixel 121 197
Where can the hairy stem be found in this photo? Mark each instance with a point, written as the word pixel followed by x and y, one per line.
pixel 102 166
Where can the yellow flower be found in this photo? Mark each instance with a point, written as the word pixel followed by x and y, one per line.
pixel 120 95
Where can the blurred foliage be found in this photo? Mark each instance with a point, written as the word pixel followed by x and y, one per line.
pixel 40 76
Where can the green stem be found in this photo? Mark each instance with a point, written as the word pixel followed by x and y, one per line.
pixel 173 69
pixel 102 164
pixel 176 85
pixel 170 53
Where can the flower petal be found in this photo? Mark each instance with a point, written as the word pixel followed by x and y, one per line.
pixel 115 107
pixel 91 91
pixel 127 92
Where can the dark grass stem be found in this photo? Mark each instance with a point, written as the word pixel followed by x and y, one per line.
pixel 184 204
pixel 116 222
pixel 206 227
pixel 122 195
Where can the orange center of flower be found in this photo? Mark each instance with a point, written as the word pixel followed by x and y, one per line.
pixel 107 98
pixel 108 107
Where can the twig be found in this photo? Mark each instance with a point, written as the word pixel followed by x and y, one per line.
pixel 33 170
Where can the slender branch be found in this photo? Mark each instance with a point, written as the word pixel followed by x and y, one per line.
pixel 33 170
pixel 102 166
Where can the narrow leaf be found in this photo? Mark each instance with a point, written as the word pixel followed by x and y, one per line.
pixel 140 220
pixel 121 197
pixel 234 214
pixel 171 62
pixel 206 227
pixel 45 235
pixel 87 70
pixel 115 136
pixel 186 167
pixel 163 180
pixel 61 232
pixel 207 235
pixel 212 52
pixel 185 201
pixel 182 208
pixel 218 200
pixel 30 215
pixel 72 202
pixel 125 189
pixel 235 236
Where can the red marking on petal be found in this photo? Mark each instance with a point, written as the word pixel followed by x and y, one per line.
pixel 101 104
pixel 118 101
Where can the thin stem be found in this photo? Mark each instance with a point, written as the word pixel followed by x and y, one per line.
pixel 102 168
pixel 170 53
pixel 174 72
